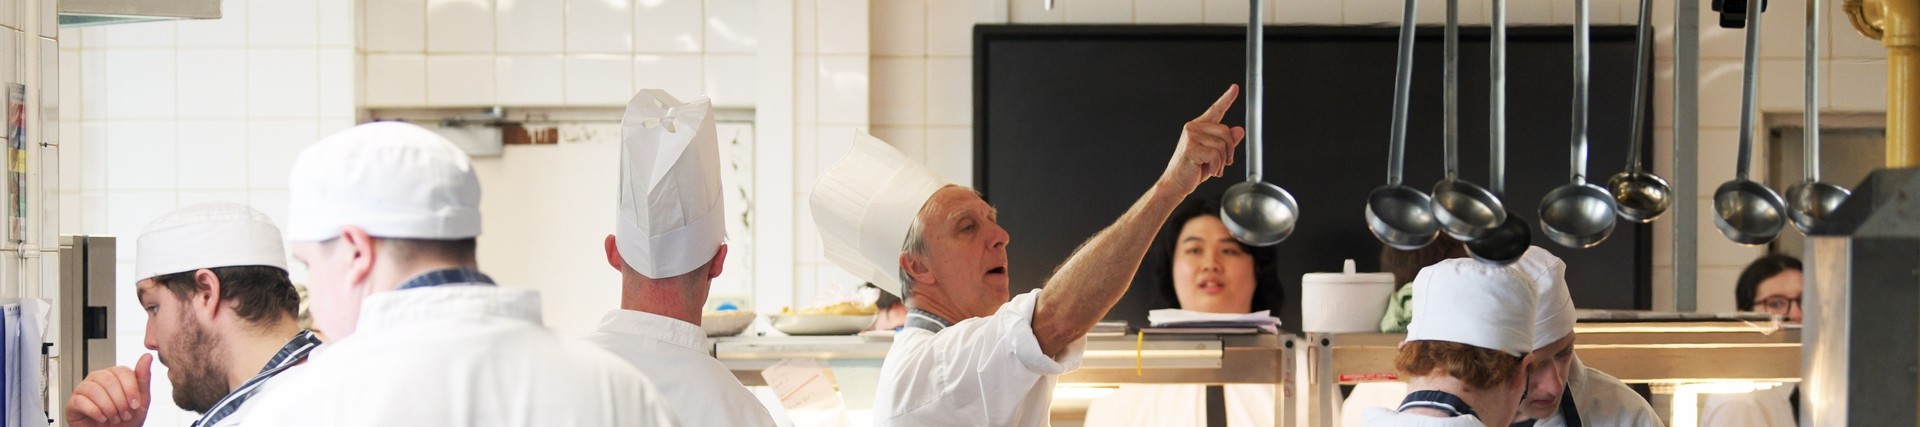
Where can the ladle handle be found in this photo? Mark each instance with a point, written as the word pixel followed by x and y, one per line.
pixel 1580 60
pixel 1497 129
pixel 1255 99
pixel 1643 50
pixel 1750 90
pixel 1811 155
pixel 1402 85
pixel 1451 76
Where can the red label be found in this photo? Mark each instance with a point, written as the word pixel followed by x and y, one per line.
pixel 1360 378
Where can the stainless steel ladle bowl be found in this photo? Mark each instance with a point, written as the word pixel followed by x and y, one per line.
pixel 1811 201
pixel 1578 215
pixel 1641 196
pixel 1507 242
pixel 1464 210
pixel 1398 215
pixel 1745 211
pixel 1255 212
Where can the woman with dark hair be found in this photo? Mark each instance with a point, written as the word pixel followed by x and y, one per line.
pixel 1196 265
pixel 1769 285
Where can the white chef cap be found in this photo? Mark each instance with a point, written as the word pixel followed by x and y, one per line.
pixel 393 179
pixel 1553 314
pixel 671 220
pixel 207 235
pixel 864 205
pixel 1465 301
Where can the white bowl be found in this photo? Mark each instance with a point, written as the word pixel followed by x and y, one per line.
pixel 820 324
pixel 726 325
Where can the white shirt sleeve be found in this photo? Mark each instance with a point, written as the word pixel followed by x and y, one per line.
pixel 982 371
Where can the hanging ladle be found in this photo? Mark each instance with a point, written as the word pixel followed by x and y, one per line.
pixel 1578 215
pixel 1810 201
pixel 1464 210
pixel 1506 243
pixel 1401 216
pixel 1745 211
pixel 1255 212
pixel 1642 196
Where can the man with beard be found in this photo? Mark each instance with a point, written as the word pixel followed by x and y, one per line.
pixel 220 313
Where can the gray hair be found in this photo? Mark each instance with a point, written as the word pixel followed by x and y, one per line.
pixel 916 245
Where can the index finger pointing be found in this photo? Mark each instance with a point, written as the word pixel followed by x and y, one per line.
pixel 1219 108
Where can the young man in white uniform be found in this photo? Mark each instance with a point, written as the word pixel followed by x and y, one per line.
pixel 968 356
pixel 1464 355
pixel 386 216
pixel 668 245
pixel 1560 390
pixel 220 314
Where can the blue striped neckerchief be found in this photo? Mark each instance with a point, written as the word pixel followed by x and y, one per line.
pixel 917 318
pixel 449 276
pixel 289 355
pixel 1437 400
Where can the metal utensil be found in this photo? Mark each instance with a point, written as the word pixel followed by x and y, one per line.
pixel 1255 212
pixel 1745 211
pixel 1641 196
pixel 1464 210
pixel 1506 243
pixel 1810 201
pixel 1401 216
pixel 1578 215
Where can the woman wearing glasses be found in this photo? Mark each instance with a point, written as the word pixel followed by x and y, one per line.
pixel 1769 285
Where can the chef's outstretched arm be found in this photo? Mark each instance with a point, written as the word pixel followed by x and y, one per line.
pixel 1091 280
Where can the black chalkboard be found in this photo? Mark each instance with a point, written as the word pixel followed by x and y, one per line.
pixel 1073 123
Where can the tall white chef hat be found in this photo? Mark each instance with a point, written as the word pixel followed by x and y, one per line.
pixel 207 235
pixel 671 219
pixel 1465 301
pixel 864 205
pixel 1553 313
pixel 392 179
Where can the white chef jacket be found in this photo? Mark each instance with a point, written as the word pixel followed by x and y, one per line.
pixel 1173 405
pixel 1760 408
pixel 459 355
pixel 673 355
pixel 1602 401
pixel 1383 417
pixel 1380 394
pixel 985 371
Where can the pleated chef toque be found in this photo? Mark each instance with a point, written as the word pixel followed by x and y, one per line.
pixel 671 217
pixel 864 205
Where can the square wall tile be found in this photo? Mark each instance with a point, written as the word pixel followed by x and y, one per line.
pixel 1720 43
pixel 213 154
pixel 93 156
pixel 806 27
pixel 338 28
pixel 843 90
pixel 899 28
pixel 1034 12
pixel 274 204
pixel 529 79
pixel 339 76
pixel 69 77
pixel 684 76
pixel 1100 11
pixel 395 25
pixel 396 80
pixel 229 31
pixel 128 212
pixel 1783 35
pixel 910 140
pixel 669 26
pixel 950 26
pixel 460 80
pixel 1783 85
pixel 843 26
pixel 529 26
pixel 1845 42
pixel 1310 12
pixel 70 218
pixel 950 92
pixel 1720 86
pixel 732 26
pixel 598 80
pixel 834 142
pixel 1173 11
pixel 1371 12
pixel 283 83
pixel 1858 85
pixel 1713 287
pixel 141 156
pixel 93 65
pixel 195 197
pixel 599 26
pixel 1718 150
pixel 806 89
pixel 145 81
pixel 730 80
pixel 1225 12
pixel 1523 13
pixel 143 34
pixel 272 144
pixel 899 92
pixel 950 152
pixel 459 26
pixel 93 218
pixel 806 162
pixel 216 80
pixel 282 23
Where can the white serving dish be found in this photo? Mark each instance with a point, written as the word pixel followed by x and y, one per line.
pixel 820 324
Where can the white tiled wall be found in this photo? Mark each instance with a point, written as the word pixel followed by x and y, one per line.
pixel 167 114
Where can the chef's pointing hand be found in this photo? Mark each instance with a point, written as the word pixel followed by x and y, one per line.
pixel 1206 146
pixel 115 396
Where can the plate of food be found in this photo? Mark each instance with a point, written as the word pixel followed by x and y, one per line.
pixel 725 323
pixel 844 318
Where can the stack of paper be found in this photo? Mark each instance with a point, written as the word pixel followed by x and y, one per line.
pixel 1173 318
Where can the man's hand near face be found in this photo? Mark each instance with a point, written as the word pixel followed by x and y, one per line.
pixel 116 396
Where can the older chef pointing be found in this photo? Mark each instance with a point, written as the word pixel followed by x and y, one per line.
pixel 1560 390
pixel 669 244
pixel 385 216
pixel 968 356
pixel 1464 355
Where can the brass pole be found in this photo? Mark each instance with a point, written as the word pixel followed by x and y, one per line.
pixel 1896 23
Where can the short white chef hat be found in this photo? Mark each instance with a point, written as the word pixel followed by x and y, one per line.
pixel 1553 313
pixel 1465 301
pixel 393 179
pixel 864 205
pixel 671 217
pixel 207 235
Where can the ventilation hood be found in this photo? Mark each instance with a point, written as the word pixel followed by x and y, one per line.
pixel 76 13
